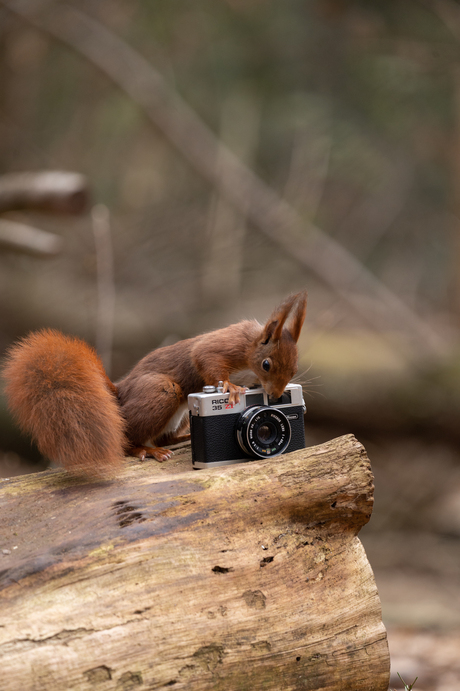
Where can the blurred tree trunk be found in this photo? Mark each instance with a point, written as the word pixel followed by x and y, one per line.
pixel 455 166
pixel 226 231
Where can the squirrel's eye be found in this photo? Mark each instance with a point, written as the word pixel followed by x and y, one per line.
pixel 266 365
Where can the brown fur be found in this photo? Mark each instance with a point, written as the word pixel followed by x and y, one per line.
pixel 60 394
pixel 51 379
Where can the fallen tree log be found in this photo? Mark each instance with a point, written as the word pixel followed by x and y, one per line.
pixel 248 576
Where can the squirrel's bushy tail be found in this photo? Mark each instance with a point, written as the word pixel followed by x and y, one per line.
pixel 59 393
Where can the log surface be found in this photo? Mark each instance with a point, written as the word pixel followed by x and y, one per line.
pixel 249 576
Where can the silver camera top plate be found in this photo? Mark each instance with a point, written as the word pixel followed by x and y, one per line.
pixel 217 403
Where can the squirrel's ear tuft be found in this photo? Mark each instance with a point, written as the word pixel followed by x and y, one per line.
pixel 298 317
pixel 274 326
pixel 268 331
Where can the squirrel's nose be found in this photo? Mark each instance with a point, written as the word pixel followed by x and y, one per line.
pixel 275 392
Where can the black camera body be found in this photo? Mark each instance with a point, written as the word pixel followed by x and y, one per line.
pixel 224 433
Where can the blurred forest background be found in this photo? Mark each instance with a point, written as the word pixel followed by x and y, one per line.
pixel 234 152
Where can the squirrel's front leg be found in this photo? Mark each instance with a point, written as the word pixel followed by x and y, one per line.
pixel 156 452
pixel 215 367
pixel 234 391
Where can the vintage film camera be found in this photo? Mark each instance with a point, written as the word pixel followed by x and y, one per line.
pixel 257 427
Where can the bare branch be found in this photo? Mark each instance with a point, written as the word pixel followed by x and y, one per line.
pixel 226 226
pixel 449 13
pixel 377 213
pixel 51 191
pixel 308 170
pixel 105 284
pixel 24 238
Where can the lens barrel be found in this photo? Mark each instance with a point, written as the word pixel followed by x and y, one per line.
pixel 263 432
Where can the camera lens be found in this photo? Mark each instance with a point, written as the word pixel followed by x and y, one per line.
pixel 266 433
pixel 263 431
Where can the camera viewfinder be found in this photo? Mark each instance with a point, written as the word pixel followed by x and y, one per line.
pixel 282 400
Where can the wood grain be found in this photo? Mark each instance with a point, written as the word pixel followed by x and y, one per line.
pixel 249 576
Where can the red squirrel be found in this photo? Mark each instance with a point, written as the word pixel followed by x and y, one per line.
pixel 60 394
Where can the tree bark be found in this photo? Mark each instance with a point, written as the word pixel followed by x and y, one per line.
pixel 249 576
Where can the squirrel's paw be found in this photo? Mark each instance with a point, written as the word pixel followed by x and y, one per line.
pixel 234 391
pixel 157 452
pixel 160 454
